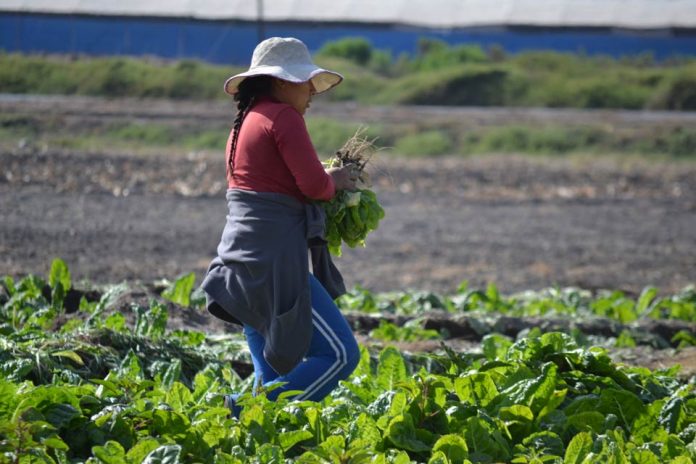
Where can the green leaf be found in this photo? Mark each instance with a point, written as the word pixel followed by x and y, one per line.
pixel 166 454
pixel 402 433
pixel 517 413
pixel 546 442
pixel 477 388
pixel 287 440
pixel 168 422
pixel 179 397
pixel 453 447
pixel 646 297
pixel 16 369
pixel 587 421
pixel 203 383
pixel 9 285
pixel 625 340
pixel 624 404
pixel 70 355
pixel 141 449
pixel 269 453
pixel 179 291
pixel 518 419
pixel 398 457
pixel 483 442
pixel 682 460
pixel 495 346
pixel 364 428
pixel 646 426
pixel 438 457
pixel 673 448
pixel 682 339
pixel 115 322
pixel 391 369
pixel 110 297
pixel 673 414
pixel 643 456
pixel 172 374
pixel 111 453
pixel 130 366
pixel 55 442
pixel 208 427
pixel 60 415
pixel 552 403
pixel 537 392
pixel 150 322
pixel 8 393
pixel 59 274
pixel 578 448
pixel 57 298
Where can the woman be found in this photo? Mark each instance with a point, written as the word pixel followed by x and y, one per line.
pixel 260 278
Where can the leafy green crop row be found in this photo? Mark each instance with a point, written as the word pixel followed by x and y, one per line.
pixel 570 302
pixel 537 399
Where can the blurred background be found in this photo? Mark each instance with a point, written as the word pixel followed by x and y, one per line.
pixel 226 32
pixel 522 142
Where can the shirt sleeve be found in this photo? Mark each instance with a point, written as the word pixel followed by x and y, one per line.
pixel 301 158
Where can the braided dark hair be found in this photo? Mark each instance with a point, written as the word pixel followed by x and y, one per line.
pixel 247 92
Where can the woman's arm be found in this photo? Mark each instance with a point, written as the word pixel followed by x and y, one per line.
pixel 297 151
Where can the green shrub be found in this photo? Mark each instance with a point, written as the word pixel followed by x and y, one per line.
pixel 603 93
pixel 464 85
pixel 432 142
pixel 436 54
pixel 438 74
pixel 677 93
pixel 678 141
pixel 355 49
pixel 535 140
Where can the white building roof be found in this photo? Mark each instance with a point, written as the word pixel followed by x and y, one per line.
pixel 631 14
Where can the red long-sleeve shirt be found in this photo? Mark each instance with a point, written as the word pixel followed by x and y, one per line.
pixel 275 154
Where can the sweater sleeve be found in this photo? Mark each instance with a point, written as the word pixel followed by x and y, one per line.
pixel 299 155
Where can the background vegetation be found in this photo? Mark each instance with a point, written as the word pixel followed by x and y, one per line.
pixel 438 74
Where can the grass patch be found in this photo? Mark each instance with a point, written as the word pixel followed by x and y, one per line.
pixel 428 143
pixel 676 142
pixel 423 138
pixel 113 77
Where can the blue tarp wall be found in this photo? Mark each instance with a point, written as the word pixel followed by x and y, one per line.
pixel 232 42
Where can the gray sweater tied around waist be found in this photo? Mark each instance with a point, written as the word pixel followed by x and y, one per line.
pixel 261 274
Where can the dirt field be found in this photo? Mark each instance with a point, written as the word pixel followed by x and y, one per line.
pixel 522 223
pixel 519 222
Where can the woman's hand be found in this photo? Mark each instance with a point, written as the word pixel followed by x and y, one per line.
pixel 344 177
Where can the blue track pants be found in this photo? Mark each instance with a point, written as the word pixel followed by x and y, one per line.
pixel 333 353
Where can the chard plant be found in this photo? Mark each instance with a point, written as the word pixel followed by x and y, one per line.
pixel 126 390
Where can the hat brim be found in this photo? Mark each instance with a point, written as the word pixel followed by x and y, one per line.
pixel 322 79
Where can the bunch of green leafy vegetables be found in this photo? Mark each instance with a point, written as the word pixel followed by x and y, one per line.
pixel 352 215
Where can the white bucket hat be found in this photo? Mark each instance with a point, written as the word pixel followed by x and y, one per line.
pixel 288 59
